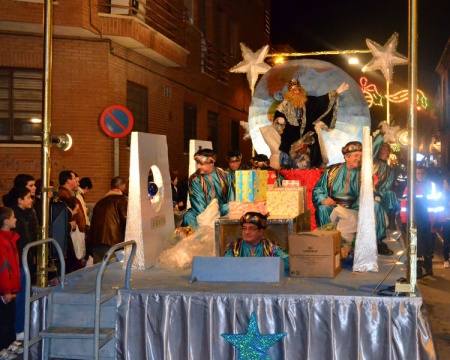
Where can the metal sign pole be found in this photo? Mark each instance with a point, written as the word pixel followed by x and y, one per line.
pixel 412 131
pixel 42 280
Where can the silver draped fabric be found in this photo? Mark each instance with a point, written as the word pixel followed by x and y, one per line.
pixel 165 317
pixel 177 325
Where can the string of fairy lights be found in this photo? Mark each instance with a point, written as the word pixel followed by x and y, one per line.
pixel 374 98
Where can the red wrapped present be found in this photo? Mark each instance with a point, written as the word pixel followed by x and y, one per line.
pixel 308 178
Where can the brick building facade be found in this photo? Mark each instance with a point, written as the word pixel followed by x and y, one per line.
pixel 167 60
pixel 443 69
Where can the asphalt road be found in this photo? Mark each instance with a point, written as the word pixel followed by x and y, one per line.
pixel 436 295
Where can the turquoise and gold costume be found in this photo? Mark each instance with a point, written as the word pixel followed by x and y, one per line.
pixel 385 185
pixel 265 248
pixel 339 182
pixel 204 188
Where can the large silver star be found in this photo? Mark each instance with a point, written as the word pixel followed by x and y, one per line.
pixel 253 64
pixel 385 57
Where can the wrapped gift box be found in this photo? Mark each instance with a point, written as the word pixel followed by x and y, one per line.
pixel 244 185
pixel 271 179
pixel 285 202
pixel 251 185
pixel 238 208
pixel 303 195
pixel 260 185
pixel 291 183
pixel 309 178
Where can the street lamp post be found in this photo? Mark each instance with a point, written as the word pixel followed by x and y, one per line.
pixel 42 280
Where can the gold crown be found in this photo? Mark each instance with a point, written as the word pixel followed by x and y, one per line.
pixel 234 158
pixel 256 218
pixel 293 84
pixel 201 159
pixel 352 147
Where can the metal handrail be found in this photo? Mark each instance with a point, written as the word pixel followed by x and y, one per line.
pixel 26 269
pixel 98 284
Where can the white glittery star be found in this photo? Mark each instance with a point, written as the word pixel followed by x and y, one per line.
pixel 253 64
pixel 385 57
pixel 390 132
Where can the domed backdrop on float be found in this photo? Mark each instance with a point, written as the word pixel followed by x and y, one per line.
pixel 318 78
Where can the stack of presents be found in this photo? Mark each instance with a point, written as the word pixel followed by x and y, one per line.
pixel 312 253
pixel 256 191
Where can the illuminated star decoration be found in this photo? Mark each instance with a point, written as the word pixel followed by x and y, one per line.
pixel 253 64
pixel 253 345
pixel 390 132
pixel 246 127
pixel 385 57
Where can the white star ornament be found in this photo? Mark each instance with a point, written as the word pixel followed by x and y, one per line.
pixel 385 57
pixel 253 64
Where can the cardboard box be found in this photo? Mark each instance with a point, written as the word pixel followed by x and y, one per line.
pixel 315 254
pixel 304 222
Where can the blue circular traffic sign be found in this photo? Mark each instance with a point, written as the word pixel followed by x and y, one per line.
pixel 116 121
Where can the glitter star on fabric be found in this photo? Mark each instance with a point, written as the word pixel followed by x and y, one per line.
pixel 385 57
pixel 253 345
pixel 253 64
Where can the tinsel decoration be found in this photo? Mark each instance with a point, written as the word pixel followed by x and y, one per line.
pixel 366 240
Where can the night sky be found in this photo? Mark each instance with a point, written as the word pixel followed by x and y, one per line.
pixel 320 25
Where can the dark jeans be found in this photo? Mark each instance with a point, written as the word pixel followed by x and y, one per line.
pixel 7 332
pixel 19 321
pixel 446 234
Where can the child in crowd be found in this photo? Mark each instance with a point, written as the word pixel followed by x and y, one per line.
pixel 9 283
pixel 26 227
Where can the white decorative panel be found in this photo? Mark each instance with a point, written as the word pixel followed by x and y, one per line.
pixel 150 218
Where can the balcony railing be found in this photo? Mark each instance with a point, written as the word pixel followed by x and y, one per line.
pixel 223 66
pixel 208 57
pixel 215 62
pixel 166 17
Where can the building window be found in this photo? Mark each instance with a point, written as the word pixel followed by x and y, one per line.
pixel 235 135
pixel 234 39
pixel 137 103
pixel 190 125
pixel 189 5
pixel 213 130
pixel 20 105
pixel 267 17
